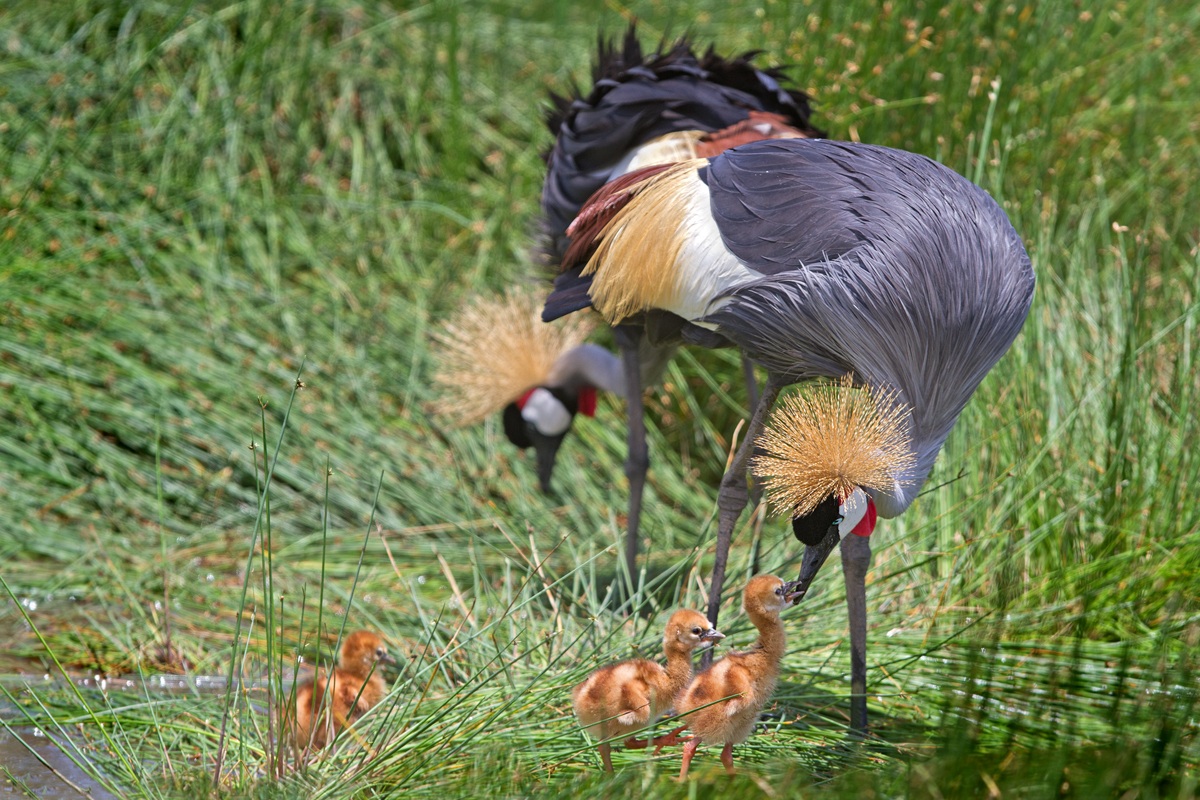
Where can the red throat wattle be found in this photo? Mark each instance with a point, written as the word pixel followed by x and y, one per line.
pixel 587 401
pixel 866 525
pixel 523 399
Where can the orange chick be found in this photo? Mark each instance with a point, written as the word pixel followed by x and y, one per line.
pixel 742 682
pixel 328 703
pixel 620 699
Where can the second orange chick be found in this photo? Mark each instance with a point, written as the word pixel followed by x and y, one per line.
pixel 623 698
pixel 328 703
pixel 746 680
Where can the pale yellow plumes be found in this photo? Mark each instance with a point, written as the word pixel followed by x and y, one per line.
pixel 635 267
pixel 829 439
pixel 495 349
pixel 670 147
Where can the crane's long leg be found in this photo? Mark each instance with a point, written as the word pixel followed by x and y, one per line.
pixel 731 499
pixel 751 381
pixel 637 455
pixel 856 560
pixel 755 490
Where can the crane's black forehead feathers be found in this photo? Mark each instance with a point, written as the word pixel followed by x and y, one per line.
pixel 811 528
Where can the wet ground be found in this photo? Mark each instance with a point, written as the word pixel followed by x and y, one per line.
pixel 33 765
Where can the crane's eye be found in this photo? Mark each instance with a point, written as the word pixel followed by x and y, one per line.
pixel 697 631
pixel 837 520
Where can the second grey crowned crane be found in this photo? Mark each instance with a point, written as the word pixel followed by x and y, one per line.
pixel 819 259
pixel 643 108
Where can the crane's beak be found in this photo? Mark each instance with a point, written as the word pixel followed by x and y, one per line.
pixel 521 433
pixel 546 448
pixel 814 557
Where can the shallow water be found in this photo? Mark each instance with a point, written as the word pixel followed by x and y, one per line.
pixel 27 769
pixel 30 773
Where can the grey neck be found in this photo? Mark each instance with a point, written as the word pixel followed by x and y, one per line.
pixel 588 364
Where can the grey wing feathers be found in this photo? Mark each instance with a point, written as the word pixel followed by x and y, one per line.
pixel 893 267
pixel 780 205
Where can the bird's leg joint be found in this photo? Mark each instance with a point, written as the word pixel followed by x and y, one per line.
pixel 637 464
pixel 733 495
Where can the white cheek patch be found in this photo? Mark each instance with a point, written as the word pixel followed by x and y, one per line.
pixel 543 411
pixel 853 509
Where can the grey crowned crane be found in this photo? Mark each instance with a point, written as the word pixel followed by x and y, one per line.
pixel 643 109
pixel 818 259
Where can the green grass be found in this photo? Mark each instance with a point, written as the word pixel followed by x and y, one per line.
pixel 202 204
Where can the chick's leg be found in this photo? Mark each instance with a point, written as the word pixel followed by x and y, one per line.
pixel 689 750
pixel 727 758
pixel 606 756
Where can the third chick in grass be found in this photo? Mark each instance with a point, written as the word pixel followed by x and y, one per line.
pixel 328 703
pixel 623 698
pixel 742 681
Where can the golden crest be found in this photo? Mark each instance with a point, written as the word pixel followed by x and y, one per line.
pixel 830 438
pixel 496 348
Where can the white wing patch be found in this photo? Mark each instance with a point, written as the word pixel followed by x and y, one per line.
pixel 663 251
pixel 706 268
pixel 666 149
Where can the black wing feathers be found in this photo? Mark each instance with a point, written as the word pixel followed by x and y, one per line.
pixel 636 98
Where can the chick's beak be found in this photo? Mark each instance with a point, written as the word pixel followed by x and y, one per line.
pixel 387 658
pixel 814 557
pixel 712 635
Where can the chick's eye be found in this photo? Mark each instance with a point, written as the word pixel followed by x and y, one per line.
pixel 696 631
pixel 379 652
